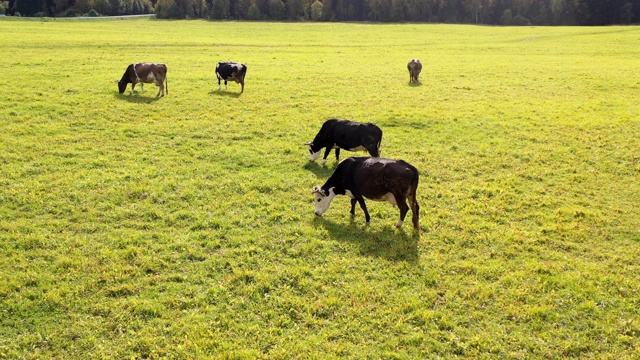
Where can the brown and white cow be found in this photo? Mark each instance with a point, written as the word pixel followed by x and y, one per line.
pixel 150 73
pixel 415 67
pixel 378 179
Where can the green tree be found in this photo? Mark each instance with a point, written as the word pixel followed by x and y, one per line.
pixel 520 21
pixel 316 10
pixel 398 10
pixel 199 8
pixel 626 13
pixel 294 10
pixel 379 10
pixel 84 5
pixel 29 7
pixel 117 7
pixel 60 6
pixel 102 7
pixel 240 9
pixel 254 12
pixel 220 9
pixel 507 17
pixel 556 11
pixel 166 9
pixel 136 7
pixel 277 10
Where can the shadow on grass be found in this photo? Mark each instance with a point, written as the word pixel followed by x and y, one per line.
pixel 225 93
pixel 136 98
pixel 321 171
pixel 415 84
pixel 388 243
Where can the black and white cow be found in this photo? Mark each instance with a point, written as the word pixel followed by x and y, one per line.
pixel 230 71
pixel 415 67
pixel 379 179
pixel 345 134
pixel 149 73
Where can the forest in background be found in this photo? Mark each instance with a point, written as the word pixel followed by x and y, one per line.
pixel 489 12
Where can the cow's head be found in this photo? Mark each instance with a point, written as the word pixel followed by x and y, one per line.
pixel 314 152
pixel 322 199
pixel 122 86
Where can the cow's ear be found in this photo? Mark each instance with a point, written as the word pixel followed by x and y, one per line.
pixel 309 143
pixel 316 190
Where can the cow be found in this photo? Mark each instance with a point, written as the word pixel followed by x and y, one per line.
pixel 415 67
pixel 378 179
pixel 145 73
pixel 345 134
pixel 230 71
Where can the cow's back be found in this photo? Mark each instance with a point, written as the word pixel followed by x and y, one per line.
pixel 378 176
pixel 350 133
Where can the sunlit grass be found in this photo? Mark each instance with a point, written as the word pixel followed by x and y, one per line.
pixel 183 227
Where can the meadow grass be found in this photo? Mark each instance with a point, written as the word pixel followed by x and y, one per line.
pixel 183 227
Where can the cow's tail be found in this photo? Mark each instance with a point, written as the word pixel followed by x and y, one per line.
pixel 166 84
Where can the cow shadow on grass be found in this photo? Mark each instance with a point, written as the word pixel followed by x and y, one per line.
pixel 415 84
pixel 321 171
pixel 137 98
pixel 388 243
pixel 224 93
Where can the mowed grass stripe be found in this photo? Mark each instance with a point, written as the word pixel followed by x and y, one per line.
pixel 183 227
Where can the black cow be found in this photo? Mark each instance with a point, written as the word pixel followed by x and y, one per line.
pixel 415 67
pixel 344 134
pixel 379 179
pixel 144 73
pixel 230 71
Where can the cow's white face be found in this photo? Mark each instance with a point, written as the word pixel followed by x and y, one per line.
pixel 322 200
pixel 313 156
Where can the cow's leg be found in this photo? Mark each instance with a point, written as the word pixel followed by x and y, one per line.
pixel 338 154
pixel 353 207
pixel 327 150
pixel 160 88
pixel 363 206
pixel 141 88
pixel 219 86
pixel 225 85
pixel 133 86
pixel 402 204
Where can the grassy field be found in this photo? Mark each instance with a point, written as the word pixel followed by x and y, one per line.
pixel 183 227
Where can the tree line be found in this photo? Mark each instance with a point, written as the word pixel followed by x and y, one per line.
pixel 489 12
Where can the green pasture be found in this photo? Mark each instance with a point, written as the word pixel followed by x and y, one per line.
pixel 183 227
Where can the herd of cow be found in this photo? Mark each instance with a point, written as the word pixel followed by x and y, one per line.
pixel 374 178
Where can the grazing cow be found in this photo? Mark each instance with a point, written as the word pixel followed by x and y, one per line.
pixel 374 178
pixel 230 71
pixel 415 67
pixel 145 73
pixel 344 134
